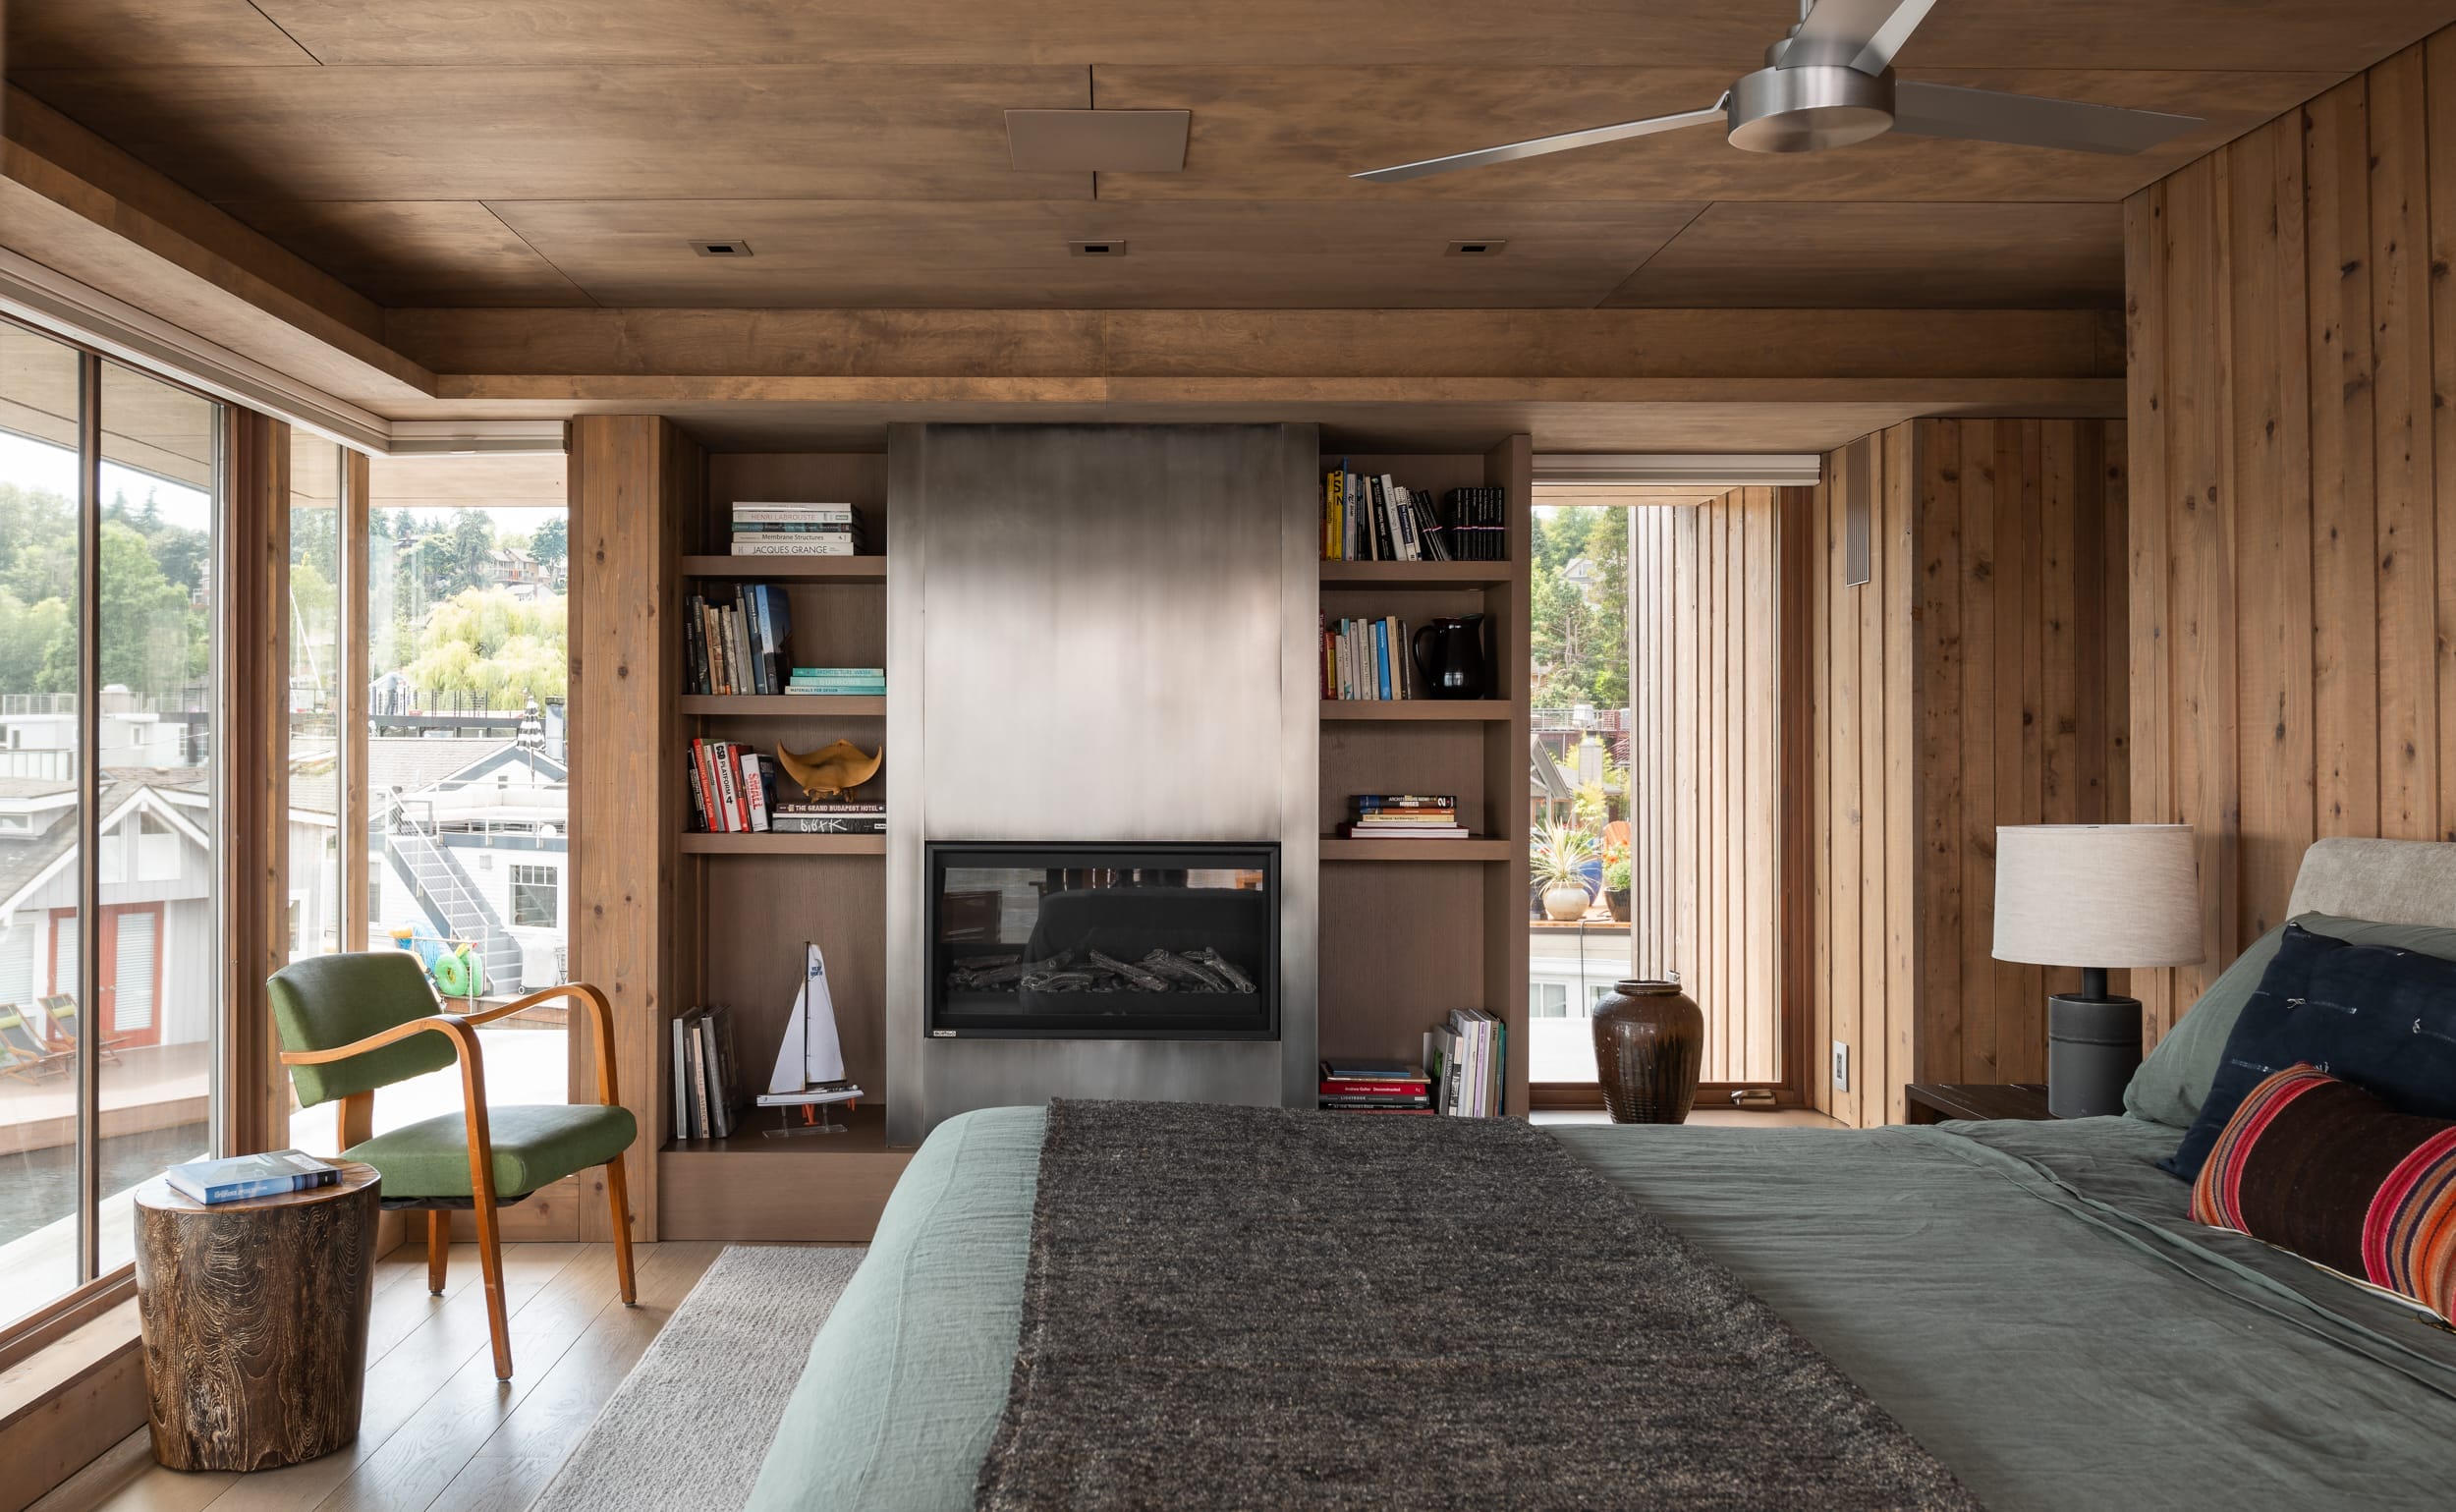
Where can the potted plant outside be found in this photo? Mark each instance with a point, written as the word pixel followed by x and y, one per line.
pixel 1560 859
pixel 1616 888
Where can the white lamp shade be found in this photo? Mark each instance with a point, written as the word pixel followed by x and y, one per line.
pixel 2112 895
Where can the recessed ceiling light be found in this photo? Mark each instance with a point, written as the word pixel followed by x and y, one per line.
pixel 727 247
pixel 1096 248
pixel 1490 247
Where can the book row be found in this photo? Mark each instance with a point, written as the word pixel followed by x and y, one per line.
pixel 739 640
pixel 1370 518
pixel 1367 660
pixel 705 1074
pixel 796 530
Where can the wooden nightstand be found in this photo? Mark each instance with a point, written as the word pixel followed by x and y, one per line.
pixel 1935 1103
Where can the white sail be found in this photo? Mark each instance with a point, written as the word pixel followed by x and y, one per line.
pixel 822 1053
pixel 787 1076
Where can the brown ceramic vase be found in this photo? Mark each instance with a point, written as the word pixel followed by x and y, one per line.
pixel 1648 1040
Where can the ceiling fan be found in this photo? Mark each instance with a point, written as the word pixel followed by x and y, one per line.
pixel 1829 82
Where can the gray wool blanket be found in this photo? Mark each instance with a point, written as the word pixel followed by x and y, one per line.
pixel 1228 1308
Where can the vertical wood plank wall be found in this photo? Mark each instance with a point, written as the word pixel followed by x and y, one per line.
pixel 2292 331
pixel 1705 888
pixel 635 482
pixel 1978 678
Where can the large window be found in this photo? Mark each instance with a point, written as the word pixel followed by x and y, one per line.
pixel 110 486
pixel 1656 637
pixel 469 782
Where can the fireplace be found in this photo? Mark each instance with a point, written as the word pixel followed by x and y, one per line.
pixel 1103 942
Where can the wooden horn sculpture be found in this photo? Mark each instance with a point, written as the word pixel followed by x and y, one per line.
pixel 832 770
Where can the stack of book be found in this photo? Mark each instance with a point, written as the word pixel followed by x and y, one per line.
pixel 1376 518
pixel 1479 525
pixel 1464 1056
pixel 838 682
pixel 240 1177
pixel 739 640
pixel 732 787
pixel 1376 1087
pixel 797 529
pixel 1403 817
pixel 1367 659
pixel 796 818
pixel 704 1074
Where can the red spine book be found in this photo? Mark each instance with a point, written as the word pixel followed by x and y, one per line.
pixel 1336 1089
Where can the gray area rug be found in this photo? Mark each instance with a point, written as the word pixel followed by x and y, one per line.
pixel 687 1430
pixel 1234 1308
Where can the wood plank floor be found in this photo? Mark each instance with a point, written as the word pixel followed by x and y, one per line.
pixel 438 1431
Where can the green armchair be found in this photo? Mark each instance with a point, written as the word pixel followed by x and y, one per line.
pixel 351 1022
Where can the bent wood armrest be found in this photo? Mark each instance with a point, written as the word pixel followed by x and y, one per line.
pixel 451 1025
pixel 601 1022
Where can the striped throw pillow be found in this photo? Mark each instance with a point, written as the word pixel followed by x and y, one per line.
pixel 2322 1167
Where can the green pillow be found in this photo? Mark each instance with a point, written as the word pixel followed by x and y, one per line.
pixel 2173 1081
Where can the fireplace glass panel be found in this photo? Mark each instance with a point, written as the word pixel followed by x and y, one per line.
pixel 1104 941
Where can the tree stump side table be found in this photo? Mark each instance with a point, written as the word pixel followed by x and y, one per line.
pixel 254 1320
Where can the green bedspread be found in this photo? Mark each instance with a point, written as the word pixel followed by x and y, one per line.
pixel 2027 1299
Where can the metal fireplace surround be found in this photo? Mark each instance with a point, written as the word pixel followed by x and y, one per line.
pixel 1100 644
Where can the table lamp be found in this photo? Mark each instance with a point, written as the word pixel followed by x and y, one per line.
pixel 2094 896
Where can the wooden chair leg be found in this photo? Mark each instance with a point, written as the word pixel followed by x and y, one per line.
pixel 490 1262
pixel 618 1198
pixel 438 1248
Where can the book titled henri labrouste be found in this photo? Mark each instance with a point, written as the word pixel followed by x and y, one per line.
pixel 241 1177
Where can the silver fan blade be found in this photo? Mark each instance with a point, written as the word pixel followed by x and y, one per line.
pixel 1863 34
pixel 1537 147
pixel 2026 120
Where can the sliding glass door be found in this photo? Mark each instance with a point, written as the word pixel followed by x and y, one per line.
pixel 110 515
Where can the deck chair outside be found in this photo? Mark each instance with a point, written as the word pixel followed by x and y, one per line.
pixel 23 1055
pixel 351 1022
pixel 60 1008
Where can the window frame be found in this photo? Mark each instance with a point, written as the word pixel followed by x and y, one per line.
pixel 95 1290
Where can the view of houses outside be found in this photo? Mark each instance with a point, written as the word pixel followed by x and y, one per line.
pixel 467 782
pixel 152 1001
pixel 1577 772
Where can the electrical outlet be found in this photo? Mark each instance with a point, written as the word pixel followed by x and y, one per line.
pixel 1841 1066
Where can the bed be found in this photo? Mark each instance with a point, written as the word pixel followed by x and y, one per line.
pixel 2027 1299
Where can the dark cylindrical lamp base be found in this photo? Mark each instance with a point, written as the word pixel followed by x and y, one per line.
pixel 2092 1047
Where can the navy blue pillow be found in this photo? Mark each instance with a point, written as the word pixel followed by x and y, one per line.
pixel 2377 1016
pixel 2245 1063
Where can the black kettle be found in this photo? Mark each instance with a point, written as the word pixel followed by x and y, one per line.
pixel 1449 658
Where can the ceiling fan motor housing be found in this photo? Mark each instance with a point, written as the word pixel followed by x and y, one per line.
pixel 1810 108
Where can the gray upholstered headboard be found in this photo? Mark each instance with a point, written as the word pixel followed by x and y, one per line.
pixel 2394 881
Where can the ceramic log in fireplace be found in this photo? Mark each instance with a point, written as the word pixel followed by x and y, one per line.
pixel 1103 942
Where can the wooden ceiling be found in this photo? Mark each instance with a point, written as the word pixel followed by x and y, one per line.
pixel 563 152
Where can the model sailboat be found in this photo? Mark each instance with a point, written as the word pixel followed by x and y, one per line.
pixel 810 1062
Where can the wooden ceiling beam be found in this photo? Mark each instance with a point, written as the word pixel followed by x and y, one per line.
pixel 1848 345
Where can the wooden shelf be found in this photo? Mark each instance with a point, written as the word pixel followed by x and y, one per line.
pixel 818 706
pixel 1477 847
pixel 750 1187
pixel 1416 708
pixel 823 569
pixel 1422 576
pixel 769 843
pixel 866 1133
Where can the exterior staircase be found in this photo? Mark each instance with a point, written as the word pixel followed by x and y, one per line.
pixel 452 903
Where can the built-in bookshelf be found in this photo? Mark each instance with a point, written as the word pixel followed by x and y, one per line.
pixel 754 898
pixel 1393 952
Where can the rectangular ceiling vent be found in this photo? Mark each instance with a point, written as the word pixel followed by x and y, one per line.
pixel 1489 247
pixel 725 246
pixel 1097 140
pixel 1096 248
